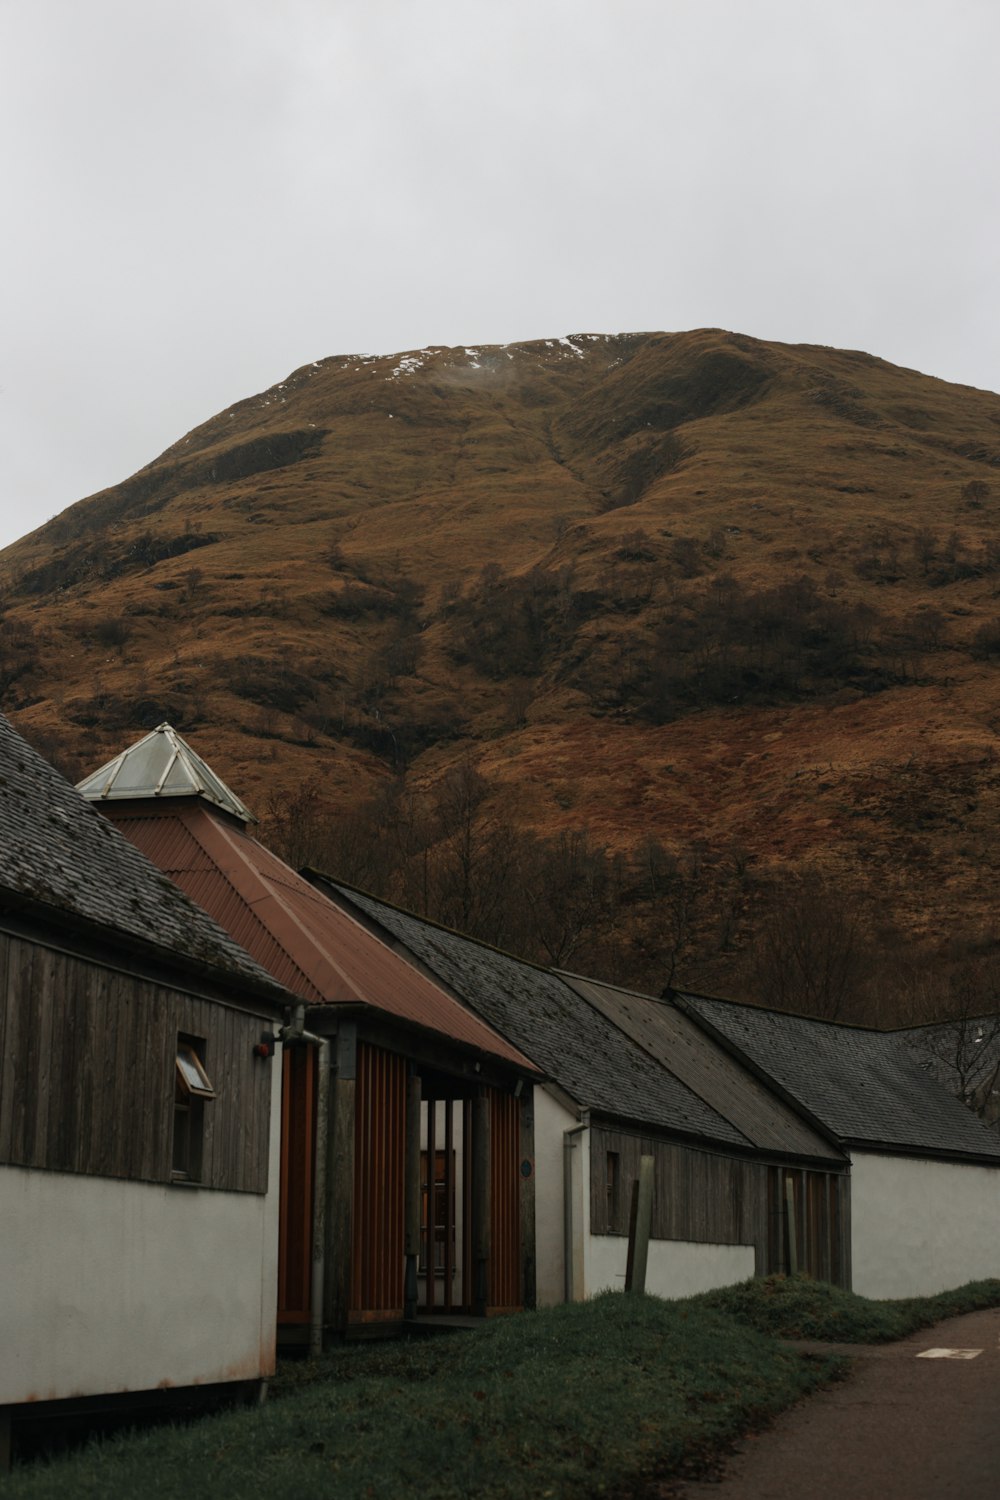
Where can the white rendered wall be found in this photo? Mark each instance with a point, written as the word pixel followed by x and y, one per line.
pixel 919 1227
pixel 674 1268
pixel 552 1120
pixel 110 1286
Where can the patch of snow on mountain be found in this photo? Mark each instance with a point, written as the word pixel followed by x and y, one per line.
pixel 408 365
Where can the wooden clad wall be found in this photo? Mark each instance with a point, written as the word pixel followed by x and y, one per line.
pixel 505 1201
pixel 707 1198
pixel 697 1196
pixel 298 1145
pixel 379 1157
pixel 822 1223
pixel 87 1073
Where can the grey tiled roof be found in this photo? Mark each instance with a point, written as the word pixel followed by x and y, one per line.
pixel 723 1081
pixel 865 1086
pixel 58 854
pixel 587 1056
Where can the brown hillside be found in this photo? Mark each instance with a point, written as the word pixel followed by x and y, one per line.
pixel 736 595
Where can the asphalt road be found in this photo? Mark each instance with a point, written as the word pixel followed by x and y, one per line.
pixel 901 1427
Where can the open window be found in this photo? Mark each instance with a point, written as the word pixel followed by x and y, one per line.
pixel 192 1090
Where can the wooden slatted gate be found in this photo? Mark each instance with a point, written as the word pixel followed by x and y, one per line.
pixel 448 1204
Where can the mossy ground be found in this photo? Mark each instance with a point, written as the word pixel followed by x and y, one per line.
pixel 585 1400
pixel 604 1398
pixel 796 1307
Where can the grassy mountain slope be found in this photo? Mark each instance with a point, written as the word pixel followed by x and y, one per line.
pixel 735 594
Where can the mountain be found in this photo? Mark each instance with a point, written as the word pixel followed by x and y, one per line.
pixel 735 597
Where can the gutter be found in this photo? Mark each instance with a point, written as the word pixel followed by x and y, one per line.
pixel 295 1032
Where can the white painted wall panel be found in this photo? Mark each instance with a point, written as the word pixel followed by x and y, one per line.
pixel 552 1120
pixel 674 1268
pixel 919 1227
pixel 124 1286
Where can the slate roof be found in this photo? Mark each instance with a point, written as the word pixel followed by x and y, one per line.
pixel 59 857
pixel 589 1058
pixel 865 1086
pixel 680 1044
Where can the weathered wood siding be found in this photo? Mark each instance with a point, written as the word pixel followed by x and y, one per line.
pixel 379 1163
pixel 707 1198
pixel 505 1201
pixel 87 1073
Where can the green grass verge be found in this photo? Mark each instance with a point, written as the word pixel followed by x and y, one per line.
pixel 577 1401
pixel 796 1307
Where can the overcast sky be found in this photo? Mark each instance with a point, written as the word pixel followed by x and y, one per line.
pixel 198 196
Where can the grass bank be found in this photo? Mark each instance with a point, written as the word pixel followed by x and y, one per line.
pixel 795 1307
pixel 580 1401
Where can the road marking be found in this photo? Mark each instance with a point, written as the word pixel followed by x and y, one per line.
pixel 949 1353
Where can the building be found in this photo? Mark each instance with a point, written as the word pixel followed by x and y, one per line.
pixel 139 1114
pixel 407 1144
pixel 925 1170
pixel 627 1076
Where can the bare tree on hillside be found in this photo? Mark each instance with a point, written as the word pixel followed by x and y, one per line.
pixel 964 1051
pixel 812 952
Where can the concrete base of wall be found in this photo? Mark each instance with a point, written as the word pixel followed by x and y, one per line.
pixel 40 1428
pixel 675 1268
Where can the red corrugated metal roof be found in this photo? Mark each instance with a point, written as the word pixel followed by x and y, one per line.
pixel 309 944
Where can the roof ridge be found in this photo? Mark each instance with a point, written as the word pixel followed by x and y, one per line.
pixel 788 1015
pixel 405 911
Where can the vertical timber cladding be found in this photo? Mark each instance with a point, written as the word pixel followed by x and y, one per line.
pixel 505 1202
pixel 709 1198
pixel 821 1210
pixel 298 1145
pixel 87 1072
pixel 379 1180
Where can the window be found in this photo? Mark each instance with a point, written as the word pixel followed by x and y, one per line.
pixel 444 1211
pixel 192 1088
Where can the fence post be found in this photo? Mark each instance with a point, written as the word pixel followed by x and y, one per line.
pixel 640 1223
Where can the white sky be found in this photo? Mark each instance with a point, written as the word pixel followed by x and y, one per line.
pixel 200 195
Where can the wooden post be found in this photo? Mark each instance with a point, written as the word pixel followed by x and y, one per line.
pixel 340 1179
pixel 793 1249
pixel 640 1225
pixel 430 1253
pixel 480 1203
pixel 529 1294
pixel 449 1205
pixel 317 1269
pixel 411 1244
